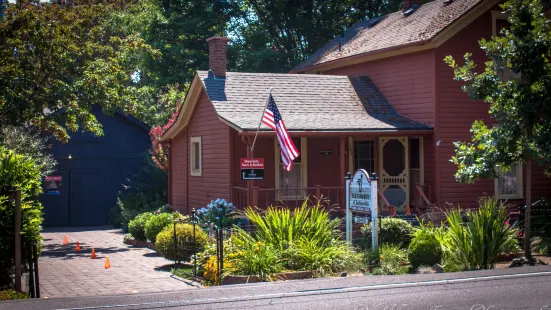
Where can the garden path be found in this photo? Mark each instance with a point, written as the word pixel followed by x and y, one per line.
pixel 64 272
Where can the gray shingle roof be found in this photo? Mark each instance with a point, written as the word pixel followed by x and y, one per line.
pixel 391 30
pixel 307 102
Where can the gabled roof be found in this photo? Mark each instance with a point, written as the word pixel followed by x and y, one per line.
pixel 307 102
pixel 433 22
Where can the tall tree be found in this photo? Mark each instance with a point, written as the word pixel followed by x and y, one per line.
pixel 291 30
pixel 178 29
pixel 56 61
pixel 520 106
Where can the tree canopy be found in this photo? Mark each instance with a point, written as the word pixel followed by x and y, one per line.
pixel 519 106
pixel 56 61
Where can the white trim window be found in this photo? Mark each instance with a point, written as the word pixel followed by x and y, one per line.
pixel 196 160
pixel 508 185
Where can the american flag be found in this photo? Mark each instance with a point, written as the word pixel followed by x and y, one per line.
pixel 273 119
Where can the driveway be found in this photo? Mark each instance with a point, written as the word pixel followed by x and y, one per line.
pixel 64 272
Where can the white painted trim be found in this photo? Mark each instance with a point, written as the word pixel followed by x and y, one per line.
pixel 195 172
pixel 191 100
pixel 520 189
pixel 495 16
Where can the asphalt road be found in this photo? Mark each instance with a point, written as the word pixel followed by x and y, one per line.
pixel 520 288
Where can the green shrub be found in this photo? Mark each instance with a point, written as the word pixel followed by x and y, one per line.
pixel 186 248
pixel 424 249
pixel 511 245
pixel 305 238
pixel 136 227
pixel 17 171
pixel 253 257
pixel 392 260
pixel 392 231
pixel 541 245
pixel 12 295
pixel 280 227
pixel 156 224
pixel 307 254
pixel 145 191
pixel 480 237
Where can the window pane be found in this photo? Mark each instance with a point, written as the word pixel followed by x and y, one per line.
pixel 364 156
pixel 507 182
pixel 196 155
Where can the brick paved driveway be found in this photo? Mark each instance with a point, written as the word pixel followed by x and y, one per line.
pixel 66 273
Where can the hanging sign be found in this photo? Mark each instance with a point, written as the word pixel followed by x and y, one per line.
pixel 53 184
pixel 361 203
pixel 252 168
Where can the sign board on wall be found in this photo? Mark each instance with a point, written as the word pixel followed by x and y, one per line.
pixel 53 184
pixel 252 168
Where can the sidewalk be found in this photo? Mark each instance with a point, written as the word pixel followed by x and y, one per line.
pixel 67 273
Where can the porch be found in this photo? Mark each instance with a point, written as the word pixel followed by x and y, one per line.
pixel 331 198
pixel 318 173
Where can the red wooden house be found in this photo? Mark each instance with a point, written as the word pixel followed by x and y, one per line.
pixel 379 98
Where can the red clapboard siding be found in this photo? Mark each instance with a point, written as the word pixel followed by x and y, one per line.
pixel 324 170
pixel 456 113
pixel 196 191
pixel 406 81
pixel 215 142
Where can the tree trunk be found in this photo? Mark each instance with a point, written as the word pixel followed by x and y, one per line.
pixel 528 209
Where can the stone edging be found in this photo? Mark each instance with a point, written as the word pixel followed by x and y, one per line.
pixel 283 276
pixel 140 243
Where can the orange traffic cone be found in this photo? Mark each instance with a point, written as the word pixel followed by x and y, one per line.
pixel 78 246
pixel 65 241
pixel 408 210
pixel 93 255
pixel 107 264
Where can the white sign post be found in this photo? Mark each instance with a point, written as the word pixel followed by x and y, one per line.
pixel 362 197
pixel 348 179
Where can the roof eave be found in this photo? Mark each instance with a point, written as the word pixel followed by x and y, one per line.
pixel 186 110
pixel 343 132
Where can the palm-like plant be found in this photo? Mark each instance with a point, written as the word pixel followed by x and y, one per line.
pixel 480 238
pixel 282 227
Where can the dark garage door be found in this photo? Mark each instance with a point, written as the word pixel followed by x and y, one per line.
pixel 87 207
pixel 80 202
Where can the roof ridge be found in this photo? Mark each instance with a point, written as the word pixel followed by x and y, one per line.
pixel 393 30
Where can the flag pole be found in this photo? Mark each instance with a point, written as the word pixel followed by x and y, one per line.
pixel 261 117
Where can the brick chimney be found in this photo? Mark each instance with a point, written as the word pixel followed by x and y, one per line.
pixel 218 47
pixel 409 3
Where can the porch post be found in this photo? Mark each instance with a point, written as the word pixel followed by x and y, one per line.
pixel 342 168
pixel 255 196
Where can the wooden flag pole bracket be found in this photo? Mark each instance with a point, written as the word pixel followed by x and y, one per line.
pixel 261 117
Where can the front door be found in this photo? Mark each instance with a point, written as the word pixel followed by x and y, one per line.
pixel 394 171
